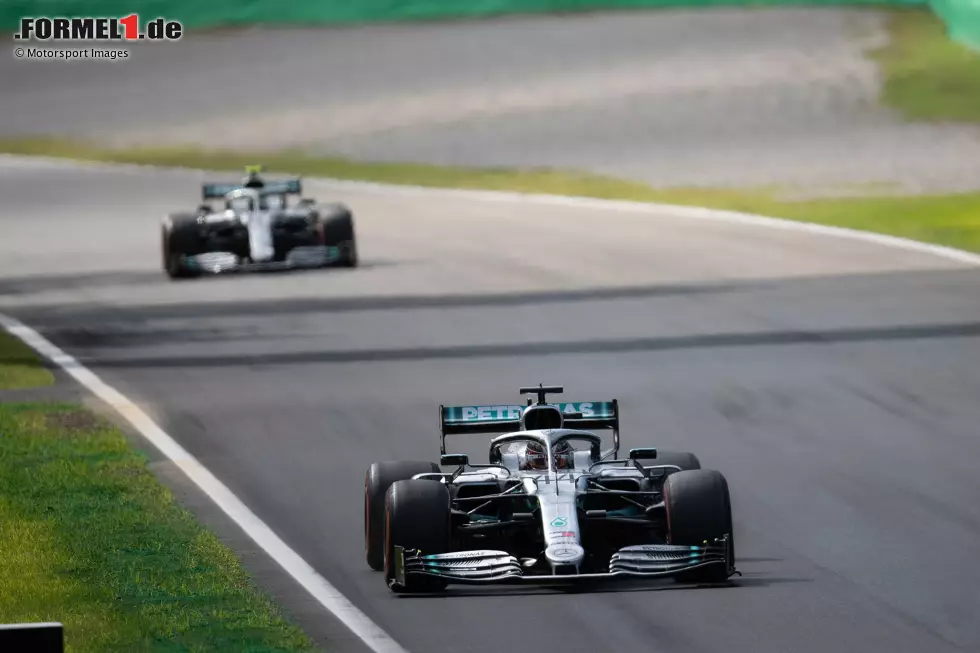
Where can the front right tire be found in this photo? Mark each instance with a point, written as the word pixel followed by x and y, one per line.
pixel 417 516
pixel 377 480
pixel 179 238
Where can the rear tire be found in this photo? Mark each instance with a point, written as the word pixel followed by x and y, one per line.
pixel 699 508
pixel 179 238
pixel 416 517
pixel 683 459
pixel 337 223
pixel 378 479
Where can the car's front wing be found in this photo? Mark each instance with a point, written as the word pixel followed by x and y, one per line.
pixel 305 256
pixel 487 566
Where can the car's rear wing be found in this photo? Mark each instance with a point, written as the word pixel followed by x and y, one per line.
pixel 288 186
pixel 586 415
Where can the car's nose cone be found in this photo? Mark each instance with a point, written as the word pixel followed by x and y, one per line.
pixel 564 554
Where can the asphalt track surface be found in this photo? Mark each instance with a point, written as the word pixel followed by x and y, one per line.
pixel 833 382
pixel 761 97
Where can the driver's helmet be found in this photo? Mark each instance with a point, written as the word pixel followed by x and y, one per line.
pixel 534 456
pixel 252 179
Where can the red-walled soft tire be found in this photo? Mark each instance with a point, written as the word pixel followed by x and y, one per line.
pixel 699 508
pixel 417 517
pixel 377 480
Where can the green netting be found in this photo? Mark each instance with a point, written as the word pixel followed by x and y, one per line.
pixel 208 13
pixel 962 18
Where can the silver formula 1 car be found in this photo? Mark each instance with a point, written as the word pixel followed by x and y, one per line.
pixel 550 507
pixel 257 229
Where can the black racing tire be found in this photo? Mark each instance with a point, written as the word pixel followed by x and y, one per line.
pixel 683 459
pixel 699 508
pixel 337 224
pixel 377 480
pixel 179 237
pixel 417 516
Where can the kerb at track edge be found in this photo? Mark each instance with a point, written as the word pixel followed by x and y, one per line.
pixel 318 586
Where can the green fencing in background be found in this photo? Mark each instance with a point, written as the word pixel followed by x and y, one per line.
pixel 208 13
pixel 962 16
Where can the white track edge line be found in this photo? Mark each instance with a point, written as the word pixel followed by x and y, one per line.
pixel 684 211
pixel 318 586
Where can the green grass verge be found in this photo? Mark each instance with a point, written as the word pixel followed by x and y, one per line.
pixel 926 75
pixel 90 538
pixel 951 220
pixel 20 367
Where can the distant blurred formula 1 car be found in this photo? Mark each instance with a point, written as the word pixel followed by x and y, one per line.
pixel 257 230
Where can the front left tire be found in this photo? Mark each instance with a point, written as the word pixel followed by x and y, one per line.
pixel 699 509
pixel 337 227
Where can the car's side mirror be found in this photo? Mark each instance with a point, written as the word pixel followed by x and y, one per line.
pixel 454 459
pixel 644 453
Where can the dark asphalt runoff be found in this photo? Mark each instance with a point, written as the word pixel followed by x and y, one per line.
pixel 835 383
